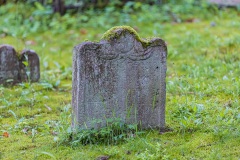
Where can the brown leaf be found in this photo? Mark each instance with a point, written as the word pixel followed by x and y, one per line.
pixel 83 31
pixel 6 134
pixel 192 20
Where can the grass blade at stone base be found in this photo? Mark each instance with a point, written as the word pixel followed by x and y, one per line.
pixel 48 154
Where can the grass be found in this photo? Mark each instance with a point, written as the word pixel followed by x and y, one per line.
pixel 203 95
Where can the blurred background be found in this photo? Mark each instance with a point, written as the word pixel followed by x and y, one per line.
pixel 53 27
pixel 80 20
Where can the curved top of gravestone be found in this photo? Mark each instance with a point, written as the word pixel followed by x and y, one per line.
pixel 128 34
pixel 123 42
pixel 7 47
pixel 28 52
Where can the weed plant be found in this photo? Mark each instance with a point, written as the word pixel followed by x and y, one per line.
pixel 115 132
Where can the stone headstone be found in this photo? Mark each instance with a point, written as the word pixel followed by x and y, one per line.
pixel 32 69
pixel 225 2
pixel 122 76
pixel 9 65
pixel 14 70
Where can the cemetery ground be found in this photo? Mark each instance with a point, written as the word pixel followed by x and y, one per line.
pixel 203 87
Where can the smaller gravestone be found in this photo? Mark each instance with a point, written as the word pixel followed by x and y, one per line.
pixel 230 3
pixel 15 68
pixel 121 77
pixel 30 69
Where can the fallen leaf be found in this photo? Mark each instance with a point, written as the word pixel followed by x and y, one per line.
pixel 5 134
pixel 83 31
pixel 192 20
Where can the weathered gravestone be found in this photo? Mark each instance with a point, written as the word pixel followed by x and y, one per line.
pixel 15 68
pixel 122 76
pixel 31 71
pixel 229 3
pixel 9 64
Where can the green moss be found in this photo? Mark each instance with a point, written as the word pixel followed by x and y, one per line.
pixel 114 33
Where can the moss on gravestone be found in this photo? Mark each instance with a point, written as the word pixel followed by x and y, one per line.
pixel 116 32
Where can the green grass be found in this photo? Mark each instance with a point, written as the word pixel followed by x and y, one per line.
pixel 203 94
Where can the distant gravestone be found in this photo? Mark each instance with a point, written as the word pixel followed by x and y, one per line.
pixel 225 2
pixel 122 76
pixel 32 68
pixel 16 68
pixel 9 64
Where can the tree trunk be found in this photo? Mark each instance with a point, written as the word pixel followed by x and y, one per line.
pixel 2 2
pixel 58 6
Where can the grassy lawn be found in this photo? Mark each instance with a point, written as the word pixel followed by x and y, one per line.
pixel 203 86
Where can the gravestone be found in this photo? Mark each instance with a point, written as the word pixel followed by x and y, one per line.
pixel 122 76
pixel 9 65
pixel 230 3
pixel 31 70
pixel 15 68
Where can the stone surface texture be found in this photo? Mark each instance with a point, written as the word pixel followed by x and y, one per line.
pixel 14 70
pixel 33 67
pixel 226 2
pixel 9 64
pixel 122 77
